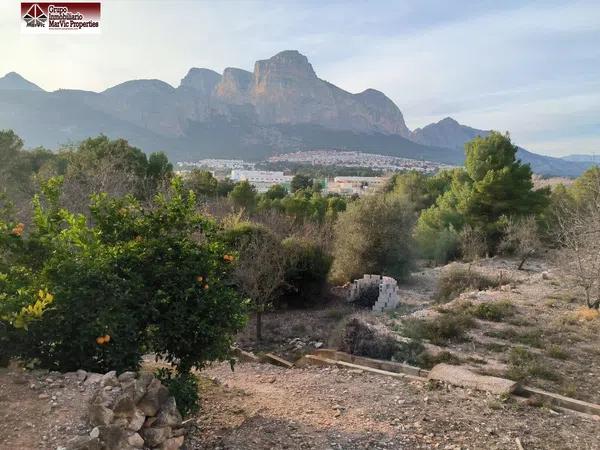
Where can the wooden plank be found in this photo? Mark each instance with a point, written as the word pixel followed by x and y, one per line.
pixel 389 366
pixel 562 401
pixel 319 361
pixel 276 360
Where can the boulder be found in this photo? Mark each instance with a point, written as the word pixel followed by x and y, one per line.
pixel 172 444
pixel 126 376
pixel 99 414
pixel 109 379
pixel 153 437
pixel 93 378
pixel 136 389
pixel 137 421
pixel 136 441
pixel 113 437
pixel 81 375
pixel 124 406
pixel 103 397
pixel 460 376
pixel 156 395
pixel 84 443
pixel 145 378
pixel 169 414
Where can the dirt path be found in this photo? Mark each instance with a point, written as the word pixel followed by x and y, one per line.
pixel 40 410
pixel 265 407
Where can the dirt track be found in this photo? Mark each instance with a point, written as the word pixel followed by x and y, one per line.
pixel 265 407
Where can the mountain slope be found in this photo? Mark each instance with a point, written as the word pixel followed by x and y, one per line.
pixel 281 106
pixel 14 81
pixel 451 134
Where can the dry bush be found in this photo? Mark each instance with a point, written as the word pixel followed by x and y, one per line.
pixel 521 238
pixel 450 326
pixel 579 236
pixel 260 273
pixel 586 314
pixel 362 339
pixel 472 243
pixel 456 280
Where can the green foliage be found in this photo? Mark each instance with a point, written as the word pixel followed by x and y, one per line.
pixel 243 196
pixel 202 182
pixel 307 266
pixel 300 182
pixel 493 185
pixel 494 311
pixel 419 189
pixel 276 191
pixel 182 386
pixel 373 236
pixel 557 352
pixel 224 187
pixel 159 167
pixel 135 281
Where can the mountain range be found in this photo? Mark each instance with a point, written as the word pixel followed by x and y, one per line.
pixel 281 106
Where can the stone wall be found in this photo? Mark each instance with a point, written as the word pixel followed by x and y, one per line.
pixel 129 412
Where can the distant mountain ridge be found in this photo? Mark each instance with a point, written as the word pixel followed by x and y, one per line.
pixel 281 106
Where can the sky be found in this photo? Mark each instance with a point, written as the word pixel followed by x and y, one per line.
pixel 530 68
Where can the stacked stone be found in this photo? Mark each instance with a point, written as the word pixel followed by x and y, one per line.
pixel 389 295
pixel 363 283
pixel 131 412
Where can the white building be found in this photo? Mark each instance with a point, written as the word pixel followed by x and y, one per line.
pixel 355 185
pixel 262 180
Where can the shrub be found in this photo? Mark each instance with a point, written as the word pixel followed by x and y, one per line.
pixel 532 337
pixel 135 281
pixel 426 360
pixel 457 280
pixel 362 339
pixel 494 311
pixel 557 352
pixel 374 235
pixel 307 266
pixel 182 386
pixel 448 326
pixel 524 365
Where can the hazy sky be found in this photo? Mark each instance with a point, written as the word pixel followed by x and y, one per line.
pixel 532 68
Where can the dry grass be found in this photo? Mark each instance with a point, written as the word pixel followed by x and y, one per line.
pixel 584 314
pixel 456 280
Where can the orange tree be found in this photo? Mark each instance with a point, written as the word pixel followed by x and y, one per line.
pixel 141 278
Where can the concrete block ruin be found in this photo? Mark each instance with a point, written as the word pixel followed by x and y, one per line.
pixel 389 293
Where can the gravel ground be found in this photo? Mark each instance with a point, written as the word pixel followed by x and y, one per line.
pixel 266 407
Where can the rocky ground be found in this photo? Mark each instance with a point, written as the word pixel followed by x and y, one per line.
pixel 265 407
pixel 41 410
pixel 260 406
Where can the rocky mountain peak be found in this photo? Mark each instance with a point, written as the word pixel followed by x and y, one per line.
pixel 14 81
pixel 289 63
pixel 202 80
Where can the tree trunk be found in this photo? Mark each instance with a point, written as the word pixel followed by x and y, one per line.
pixel 258 326
pixel 525 257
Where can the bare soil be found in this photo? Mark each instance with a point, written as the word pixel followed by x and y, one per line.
pixel 260 407
pixel 40 410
